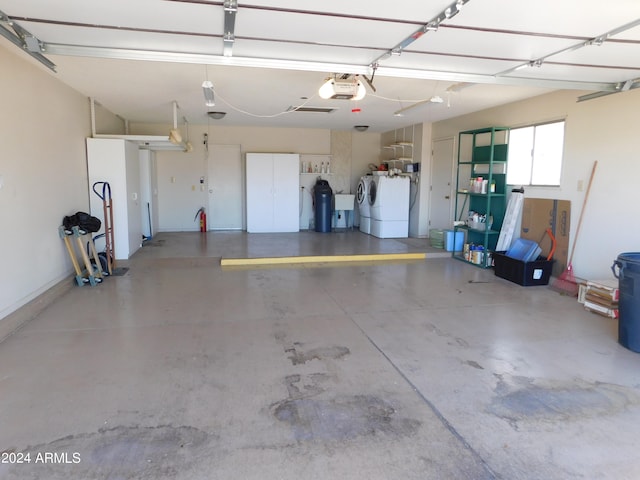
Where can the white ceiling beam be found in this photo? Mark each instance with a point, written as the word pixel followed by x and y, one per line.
pixel 205 59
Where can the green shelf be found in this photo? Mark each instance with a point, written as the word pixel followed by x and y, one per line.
pixel 488 147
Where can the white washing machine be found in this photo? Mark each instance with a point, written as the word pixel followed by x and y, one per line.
pixel 389 200
pixel 364 208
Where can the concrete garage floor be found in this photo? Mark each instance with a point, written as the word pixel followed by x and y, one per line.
pixel 429 369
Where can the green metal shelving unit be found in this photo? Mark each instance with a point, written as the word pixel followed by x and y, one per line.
pixel 481 153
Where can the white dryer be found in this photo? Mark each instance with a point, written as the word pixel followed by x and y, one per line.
pixel 389 201
pixel 364 207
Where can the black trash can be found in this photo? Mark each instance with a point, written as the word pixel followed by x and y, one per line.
pixel 628 274
pixel 322 196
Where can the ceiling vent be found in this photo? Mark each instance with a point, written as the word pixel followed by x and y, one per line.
pixel 311 109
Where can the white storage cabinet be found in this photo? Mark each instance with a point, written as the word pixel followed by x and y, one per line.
pixel 273 197
pixel 117 161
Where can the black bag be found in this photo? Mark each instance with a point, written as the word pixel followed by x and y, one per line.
pixel 85 222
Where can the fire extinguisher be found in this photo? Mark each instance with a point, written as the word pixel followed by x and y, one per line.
pixel 203 219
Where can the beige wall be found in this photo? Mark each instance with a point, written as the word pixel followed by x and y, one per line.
pixel 604 129
pixel 420 137
pixel 178 202
pixel 44 175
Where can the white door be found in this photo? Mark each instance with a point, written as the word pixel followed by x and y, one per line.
pixel 259 188
pixel 441 204
pixel 226 196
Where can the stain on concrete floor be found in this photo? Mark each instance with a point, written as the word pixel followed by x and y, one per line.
pixel 300 386
pixel 473 364
pixel 523 399
pixel 119 453
pixel 298 357
pixel 342 418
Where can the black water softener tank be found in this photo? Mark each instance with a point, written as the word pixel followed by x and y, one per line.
pixel 322 195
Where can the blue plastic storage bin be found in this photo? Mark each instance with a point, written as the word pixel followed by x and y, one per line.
pixel 453 241
pixel 524 250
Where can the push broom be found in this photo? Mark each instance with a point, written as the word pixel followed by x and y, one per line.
pixel 566 283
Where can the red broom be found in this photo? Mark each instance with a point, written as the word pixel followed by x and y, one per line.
pixel 566 282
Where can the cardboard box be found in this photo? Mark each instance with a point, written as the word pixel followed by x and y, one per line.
pixel 526 274
pixel 538 214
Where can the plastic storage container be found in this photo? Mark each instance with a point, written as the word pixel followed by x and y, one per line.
pixel 453 241
pixel 322 196
pixel 526 274
pixel 436 238
pixel 628 274
pixel 524 250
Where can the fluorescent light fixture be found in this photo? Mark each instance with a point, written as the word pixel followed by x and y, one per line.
pixel 207 89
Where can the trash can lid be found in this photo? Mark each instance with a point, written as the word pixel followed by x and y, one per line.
pixel 633 257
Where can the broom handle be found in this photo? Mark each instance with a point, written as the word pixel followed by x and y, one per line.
pixel 584 204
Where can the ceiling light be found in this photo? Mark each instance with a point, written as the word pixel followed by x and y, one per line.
pixel 361 91
pixel 207 89
pixel 436 99
pixel 361 128
pixel 342 89
pixel 326 90
pixel 217 115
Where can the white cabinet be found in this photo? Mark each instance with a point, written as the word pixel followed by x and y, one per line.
pixel 273 198
pixel 117 161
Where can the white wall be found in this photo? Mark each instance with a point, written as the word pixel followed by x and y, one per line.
pixel 43 174
pixel 604 129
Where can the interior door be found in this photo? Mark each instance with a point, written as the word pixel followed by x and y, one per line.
pixel 441 204
pixel 226 188
pixel 259 189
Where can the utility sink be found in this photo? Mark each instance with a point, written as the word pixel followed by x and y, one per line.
pixel 343 201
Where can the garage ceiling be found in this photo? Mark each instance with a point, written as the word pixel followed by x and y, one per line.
pixel 265 57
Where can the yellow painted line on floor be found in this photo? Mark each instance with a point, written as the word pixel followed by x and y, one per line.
pixel 226 262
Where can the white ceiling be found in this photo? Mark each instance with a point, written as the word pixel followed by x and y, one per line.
pixel 136 58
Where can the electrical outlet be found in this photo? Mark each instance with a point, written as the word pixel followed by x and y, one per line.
pixel 580 185
pixel 1 181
